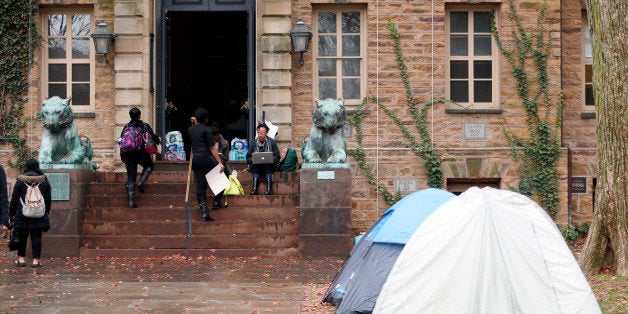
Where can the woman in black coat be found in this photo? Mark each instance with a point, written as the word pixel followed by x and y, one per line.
pixel 137 157
pixel 262 143
pixel 26 226
pixel 204 158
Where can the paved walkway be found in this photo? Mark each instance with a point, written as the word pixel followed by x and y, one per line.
pixel 167 285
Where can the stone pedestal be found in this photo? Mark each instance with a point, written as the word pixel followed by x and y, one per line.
pixel 325 212
pixel 66 213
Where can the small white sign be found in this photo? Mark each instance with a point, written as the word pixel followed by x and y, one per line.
pixel 406 185
pixel 474 131
pixel 325 175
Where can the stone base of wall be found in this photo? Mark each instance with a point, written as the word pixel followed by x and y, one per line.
pixel 325 212
pixel 66 216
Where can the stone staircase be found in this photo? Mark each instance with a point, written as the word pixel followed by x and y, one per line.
pixel 253 225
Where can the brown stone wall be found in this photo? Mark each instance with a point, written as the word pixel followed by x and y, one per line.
pixel 115 93
pixel 578 127
pixel 415 21
pixel 99 126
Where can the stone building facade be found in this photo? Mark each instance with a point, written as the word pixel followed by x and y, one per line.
pixel 350 56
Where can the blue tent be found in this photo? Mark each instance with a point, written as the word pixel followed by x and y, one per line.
pixel 359 282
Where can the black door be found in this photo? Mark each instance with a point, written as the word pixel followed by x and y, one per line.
pixel 205 60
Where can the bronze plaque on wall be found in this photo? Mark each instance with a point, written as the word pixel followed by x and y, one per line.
pixel 60 186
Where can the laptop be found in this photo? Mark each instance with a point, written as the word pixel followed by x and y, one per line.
pixel 262 158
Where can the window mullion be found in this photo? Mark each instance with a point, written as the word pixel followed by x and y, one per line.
pixel 471 56
pixel 68 55
pixel 339 55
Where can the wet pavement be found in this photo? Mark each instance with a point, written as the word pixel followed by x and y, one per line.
pixel 167 285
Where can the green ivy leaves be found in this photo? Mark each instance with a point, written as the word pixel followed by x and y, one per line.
pixel 539 153
pixel 422 148
pixel 19 37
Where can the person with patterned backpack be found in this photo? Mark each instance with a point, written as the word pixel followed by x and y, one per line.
pixel 132 153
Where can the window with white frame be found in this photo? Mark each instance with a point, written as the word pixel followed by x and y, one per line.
pixel 68 58
pixel 589 101
pixel 340 53
pixel 472 57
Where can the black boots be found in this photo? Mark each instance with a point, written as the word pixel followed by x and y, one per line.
pixel 255 183
pixel 130 192
pixel 145 173
pixel 202 205
pixel 217 204
pixel 269 181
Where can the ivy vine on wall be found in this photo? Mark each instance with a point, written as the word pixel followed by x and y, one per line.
pixel 539 152
pixel 421 147
pixel 19 37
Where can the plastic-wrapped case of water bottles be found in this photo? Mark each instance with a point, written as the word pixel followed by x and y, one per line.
pixel 173 144
pixel 239 147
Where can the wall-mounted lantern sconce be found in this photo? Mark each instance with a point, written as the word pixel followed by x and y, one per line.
pixel 103 38
pixel 300 36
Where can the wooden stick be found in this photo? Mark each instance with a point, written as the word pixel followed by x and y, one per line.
pixel 188 211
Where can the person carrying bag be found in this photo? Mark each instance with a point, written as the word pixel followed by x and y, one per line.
pixel 25 225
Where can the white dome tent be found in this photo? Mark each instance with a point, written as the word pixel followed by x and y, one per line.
pixel 487 251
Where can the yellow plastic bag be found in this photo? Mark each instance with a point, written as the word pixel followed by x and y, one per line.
pixel 235 188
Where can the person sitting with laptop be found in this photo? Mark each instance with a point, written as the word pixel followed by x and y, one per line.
pixel 262 157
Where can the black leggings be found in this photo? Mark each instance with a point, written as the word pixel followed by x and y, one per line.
pixel 134 158
pixel 262 170
pixel 202 164
pixel 35 235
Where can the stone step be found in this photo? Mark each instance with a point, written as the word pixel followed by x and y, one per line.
pixel 179 214
pixel 196 241
pixel 158 176
pixel 172 200
pixel 248 213
pixel 160 253
pixel 183 166
pixel 110 188
pixel 252 225
pixel 219 226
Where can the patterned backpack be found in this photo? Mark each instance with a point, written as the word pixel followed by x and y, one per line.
pixel 33 205
pixel 131 139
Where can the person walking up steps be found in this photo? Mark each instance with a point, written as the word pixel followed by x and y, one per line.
pixel 132 153
pixel 204 158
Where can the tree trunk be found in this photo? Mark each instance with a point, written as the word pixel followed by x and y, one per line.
pixel 607 244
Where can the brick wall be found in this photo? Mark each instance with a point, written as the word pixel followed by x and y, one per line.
pixel 414 21
pixel 284 91
pixel 578 128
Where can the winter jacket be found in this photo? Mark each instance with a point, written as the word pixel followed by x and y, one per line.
pixel 140 156
pixel 273 146
pixel 19 192
pixel 144 126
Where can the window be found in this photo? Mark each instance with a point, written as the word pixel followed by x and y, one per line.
pixel 588 63
pixel 459 185
pixel 472 66
pixel 68 58
pixel 340 50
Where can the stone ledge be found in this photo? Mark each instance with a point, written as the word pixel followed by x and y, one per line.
pixel 474 111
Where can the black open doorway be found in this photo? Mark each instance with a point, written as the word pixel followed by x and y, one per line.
pixel 207 67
